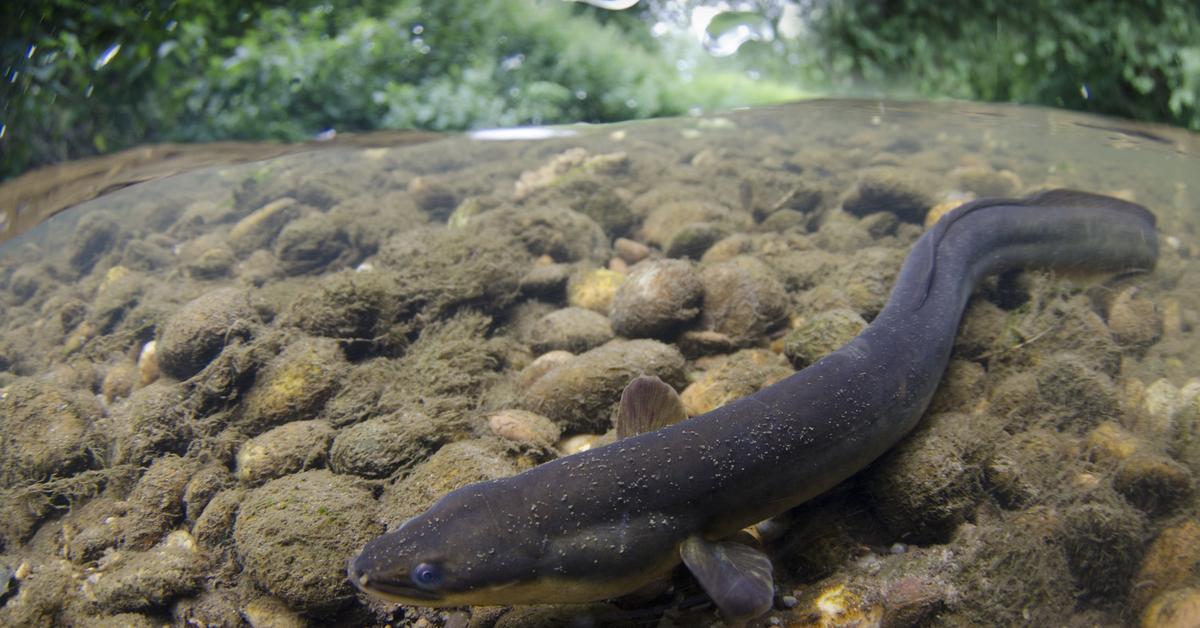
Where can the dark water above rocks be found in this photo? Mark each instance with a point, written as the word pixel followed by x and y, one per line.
pixel 216 386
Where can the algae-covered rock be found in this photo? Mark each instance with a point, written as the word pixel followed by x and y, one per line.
pixel 1134 319
pixel 985 182
pixel 146 580
pixel 1085 396
pixel 580 394
pixel 214 526
pixel 258 228
pixel 961 388
pixel 122 620
pixel 927 485
pixel 433 196
pixel 981 329
pixel 41 599
pixel 664 222
pixel 312 243
pixel 294 385
pixel 203 485
pixel 214 607
pixel 880 224
pixel 46 431
pixel 657 299
pixel 119 380
pixel 380 446
pixel 743 373
pixel 1028 467
pixel 783 220
pixel 95 234
pixel 439 270
pixel 842 236
pixel 1146 477
pixel 820 335
pixel 902 192
pixel 1014 572
pixel 359 309
pixel 546 281
pixel 861 283
pixel 570 329
pixel 693 239
pixel 293 535
pixel 212 263
pixel 562 234
pixel 96 530
pixel 289 448
pixel 156 502
pixel 154 421
pixel 743 300
pixel 199 330
pixel 446 370
pixel 1103 543
pixel 451 467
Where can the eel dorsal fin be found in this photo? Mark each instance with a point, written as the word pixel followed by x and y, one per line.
pixel 736 576
pixel 648 403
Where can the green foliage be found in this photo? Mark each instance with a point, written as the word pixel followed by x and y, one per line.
pixel 288 69
pixel 451 65
pixel 81 78
pixel 199 70
pixel 1137 59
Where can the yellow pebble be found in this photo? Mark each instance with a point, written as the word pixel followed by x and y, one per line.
pixel 941 209
pixel 1174 609
pixel 594 289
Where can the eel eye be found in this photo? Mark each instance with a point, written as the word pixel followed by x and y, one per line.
pixel 426 576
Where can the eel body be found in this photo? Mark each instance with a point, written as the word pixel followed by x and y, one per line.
pixel 601 523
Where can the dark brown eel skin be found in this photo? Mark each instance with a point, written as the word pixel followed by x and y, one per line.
pixel 604 522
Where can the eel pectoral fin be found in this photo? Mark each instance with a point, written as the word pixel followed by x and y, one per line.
pixel 736 576
pixel 648 403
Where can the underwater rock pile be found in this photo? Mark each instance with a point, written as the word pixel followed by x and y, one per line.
pixel 213 392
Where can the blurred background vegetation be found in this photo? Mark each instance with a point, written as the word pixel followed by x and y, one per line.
pixel 83 77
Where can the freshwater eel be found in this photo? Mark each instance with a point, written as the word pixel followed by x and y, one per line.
pixel 604 522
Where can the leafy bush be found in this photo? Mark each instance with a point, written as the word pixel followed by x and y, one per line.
pixel 198 70
pixel 1136 59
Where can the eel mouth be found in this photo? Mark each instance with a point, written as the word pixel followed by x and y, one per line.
pixel 389 588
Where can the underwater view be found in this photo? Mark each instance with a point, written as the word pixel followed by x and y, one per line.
pixel 680 354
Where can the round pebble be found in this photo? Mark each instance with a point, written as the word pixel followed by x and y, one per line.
pixel 289 448
pixel 293 536
pixel 199 330
pixel 594 289
pixel 380 446
pixel 1134 319
pixel 524 427
pixel 579 395
pixel 657 299
pixel 822 334
pixel 573 329
pixel 743 300
pixel 295 385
